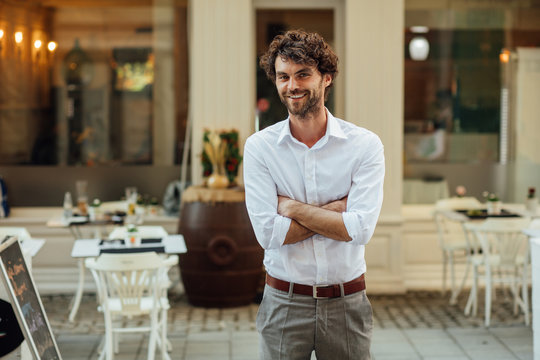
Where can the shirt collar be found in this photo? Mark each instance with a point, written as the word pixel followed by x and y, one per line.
pixel 332 128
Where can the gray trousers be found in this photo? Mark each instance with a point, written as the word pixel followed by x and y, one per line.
pixel 292 326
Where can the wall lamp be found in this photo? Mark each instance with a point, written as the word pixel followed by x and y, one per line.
pixel 1 40
pixel 18 37
pixel 419 46
pixel 51 46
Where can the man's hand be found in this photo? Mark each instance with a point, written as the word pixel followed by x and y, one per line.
pixel 337 206
pixel 286 205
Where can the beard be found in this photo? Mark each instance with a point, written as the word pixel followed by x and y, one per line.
pixel 310 104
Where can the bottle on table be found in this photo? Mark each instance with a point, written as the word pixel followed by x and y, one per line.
pixel 68 205
pixel 531 203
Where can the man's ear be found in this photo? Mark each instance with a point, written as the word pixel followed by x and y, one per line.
pixel 327 78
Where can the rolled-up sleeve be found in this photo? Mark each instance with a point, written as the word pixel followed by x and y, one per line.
pixel 366 195
pixel 261 199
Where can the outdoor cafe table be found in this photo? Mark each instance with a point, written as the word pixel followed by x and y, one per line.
pixel 463 216
pixel 154 238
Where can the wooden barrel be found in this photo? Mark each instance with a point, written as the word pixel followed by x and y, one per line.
pixel 223 266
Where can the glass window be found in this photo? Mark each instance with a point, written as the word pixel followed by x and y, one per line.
pixel 454 77
pixel 274 22
pixel 79 82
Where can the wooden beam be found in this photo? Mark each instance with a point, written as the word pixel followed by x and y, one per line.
pixel 96 3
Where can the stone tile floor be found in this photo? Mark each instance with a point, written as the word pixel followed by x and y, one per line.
pixel 415 325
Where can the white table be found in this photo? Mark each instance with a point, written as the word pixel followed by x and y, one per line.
pixel 83 248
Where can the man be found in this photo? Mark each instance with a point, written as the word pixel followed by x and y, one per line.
pixel 313 193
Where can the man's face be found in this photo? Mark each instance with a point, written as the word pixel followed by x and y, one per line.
pixel 300 87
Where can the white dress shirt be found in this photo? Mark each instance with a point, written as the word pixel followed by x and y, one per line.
pixel 347 160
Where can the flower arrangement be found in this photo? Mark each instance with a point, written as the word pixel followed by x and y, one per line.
pixel 490 196
pixel 460 191
pixel 221 154
pixel 494 205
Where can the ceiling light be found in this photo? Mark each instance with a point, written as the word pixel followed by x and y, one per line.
pixel 419 29
pixel 419 48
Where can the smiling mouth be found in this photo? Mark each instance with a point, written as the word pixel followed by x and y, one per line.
pixel 295 97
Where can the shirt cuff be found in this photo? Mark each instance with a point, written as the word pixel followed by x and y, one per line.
pixel 353 226
pixel 281 228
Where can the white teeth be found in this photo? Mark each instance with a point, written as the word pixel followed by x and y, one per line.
pixel 296 96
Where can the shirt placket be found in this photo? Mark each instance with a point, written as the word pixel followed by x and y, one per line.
pixel 312 197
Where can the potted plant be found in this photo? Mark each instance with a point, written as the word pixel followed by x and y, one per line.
pixel 494 204
pixel 153 207
pixel 132 236
pixel 531 203
pixel 461 191
pixel 94 210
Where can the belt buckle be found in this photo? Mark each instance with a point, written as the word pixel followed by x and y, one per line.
pixel 315 296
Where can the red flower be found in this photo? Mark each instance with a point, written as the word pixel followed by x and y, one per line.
pixel 263 104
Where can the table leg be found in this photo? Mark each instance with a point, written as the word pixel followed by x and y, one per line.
pixel 78 294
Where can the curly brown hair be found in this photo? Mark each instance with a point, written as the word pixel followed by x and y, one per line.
pixel 302 48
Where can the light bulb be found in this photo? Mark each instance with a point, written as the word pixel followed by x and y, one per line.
pixel 18 37
pixel 504 56
pixel 37 44
pixel 51 46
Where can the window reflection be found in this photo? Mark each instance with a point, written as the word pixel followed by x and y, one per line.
pixel 453 97
pixel 91 99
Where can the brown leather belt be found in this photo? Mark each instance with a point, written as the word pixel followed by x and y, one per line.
pixel 319 291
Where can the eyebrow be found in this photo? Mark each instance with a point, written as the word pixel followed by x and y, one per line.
pixel 305 69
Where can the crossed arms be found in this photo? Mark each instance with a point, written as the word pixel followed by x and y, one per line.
pixel 307 220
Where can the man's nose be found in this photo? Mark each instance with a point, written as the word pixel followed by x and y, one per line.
pixel 293 84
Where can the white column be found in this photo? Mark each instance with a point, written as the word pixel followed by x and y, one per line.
pixel 163 101
pixel 373 73
pixel 527 167
pixel 222 71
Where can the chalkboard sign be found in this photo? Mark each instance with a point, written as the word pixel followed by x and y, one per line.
pixel 26 302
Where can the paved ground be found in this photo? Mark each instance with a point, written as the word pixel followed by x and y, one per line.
pixel 416 325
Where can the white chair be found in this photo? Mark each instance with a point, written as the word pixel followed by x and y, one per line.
pixel 452 239
pixel 504 260
pixel 131 285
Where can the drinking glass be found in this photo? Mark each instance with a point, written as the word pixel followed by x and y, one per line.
pixel 131 199
pixel 82 196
